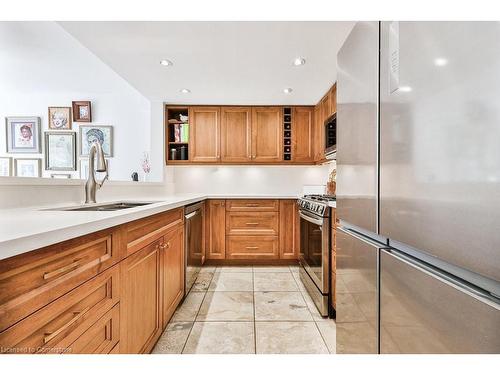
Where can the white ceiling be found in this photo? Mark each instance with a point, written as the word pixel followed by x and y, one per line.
pixel 220 62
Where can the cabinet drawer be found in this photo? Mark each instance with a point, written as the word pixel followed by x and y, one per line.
pixel 252 205
pixel 102 337
pixel 142 232
pixel 32 280
pixel 252 247
pixel 252 223
pixel 55 326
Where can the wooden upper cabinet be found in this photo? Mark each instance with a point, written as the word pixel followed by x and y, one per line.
pixel 333 99
pixel 302 134
pixel 267 134
pixel 236 134
pixel 205 134
pixel 326 109
pixel 318 133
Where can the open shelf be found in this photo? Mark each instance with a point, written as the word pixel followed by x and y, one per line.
pixel 177 134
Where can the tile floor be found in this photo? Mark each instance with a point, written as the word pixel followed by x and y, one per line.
pixel 246 310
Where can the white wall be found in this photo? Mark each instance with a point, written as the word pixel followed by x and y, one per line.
pixel 41 65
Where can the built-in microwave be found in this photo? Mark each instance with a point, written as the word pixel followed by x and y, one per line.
pixel 331 137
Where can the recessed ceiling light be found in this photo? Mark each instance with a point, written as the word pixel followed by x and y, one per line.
pixel 298 61
pixel 166 62
pixel 185 91
pixel 288 90
pixel 405 89
pixel 440 61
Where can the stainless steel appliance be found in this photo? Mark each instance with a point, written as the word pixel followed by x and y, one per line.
pixel 315 219
pixel 418 176
pixel 193 249
pixel 331 137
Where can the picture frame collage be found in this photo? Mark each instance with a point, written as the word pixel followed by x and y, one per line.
pixel 24 136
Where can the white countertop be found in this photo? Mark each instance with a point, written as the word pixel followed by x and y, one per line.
pixel 26 229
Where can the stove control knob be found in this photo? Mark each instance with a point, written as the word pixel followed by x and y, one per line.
pixel 321 209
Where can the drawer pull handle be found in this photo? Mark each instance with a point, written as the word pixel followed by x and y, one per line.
pixel 251 247
pixel 252 223
pixel 49 275
pixel 252 205
pixel 51 335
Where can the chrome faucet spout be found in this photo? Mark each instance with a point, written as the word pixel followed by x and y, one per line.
pixel 91 186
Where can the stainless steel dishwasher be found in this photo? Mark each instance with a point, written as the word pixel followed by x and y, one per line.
pixel 193 250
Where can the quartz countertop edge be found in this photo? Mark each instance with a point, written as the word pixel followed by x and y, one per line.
pixel 26 229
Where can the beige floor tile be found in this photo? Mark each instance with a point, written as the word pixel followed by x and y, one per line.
pixel 271 269
pixel 202 282
pixel 300 285
pixel 281 306
pixel 208 269
pixel 227 306
pixel 221 338
pixel 187 311
pixel 232 282
pixel 274 282
pixel 289 338
pixel 312 306
pixel 173 339
pixel 226 269
pixel 328 330
pixel 294 269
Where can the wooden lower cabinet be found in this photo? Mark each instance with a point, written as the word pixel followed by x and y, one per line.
pixel 289 229
pixel 252 247
pixel 141 310
pixel 333 285
pixel 216 229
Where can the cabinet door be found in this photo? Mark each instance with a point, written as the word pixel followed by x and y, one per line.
pixel 267 135
pixel 326 109
pixel 216 233
pixel 302 134
pixel 205 134
pixel 333 99
pixel 236 134
pixel 289 227
pixel 140 306
pixel 317 131
pixel 172 270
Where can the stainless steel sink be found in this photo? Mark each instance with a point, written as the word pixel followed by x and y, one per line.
pixel 116 206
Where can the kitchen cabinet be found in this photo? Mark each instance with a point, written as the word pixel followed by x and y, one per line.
pixel 333 286
pixel 302 134
pixel 252 247
pixel 205 134
pixel 289 225
pixel 216 231
pixel 252 223
pixel 140 312
pixel 236 134
pixel 267 134
pixel 333 100
pixel 172 272
pixel 252 205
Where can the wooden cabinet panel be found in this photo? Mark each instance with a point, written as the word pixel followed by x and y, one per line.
pixel 172 270
pixel 32 280
pixel 236 134
pixel 205 134
pixel 252 223
pixel 333 99
pixel 326 109
pixel 54 327
pixel 252 204
pixel 140 306
pixel 288 230
pixel 302 134
pixel 333 286
pixel 267 134
pixel 252 247
pixel 216 233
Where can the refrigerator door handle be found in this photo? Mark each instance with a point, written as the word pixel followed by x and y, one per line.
pixel 446 278
pixel 362 238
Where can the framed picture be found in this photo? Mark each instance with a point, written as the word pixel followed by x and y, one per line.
pixel 5 167
pixel 62 176
pixel 90 134
pixel 28 167
pixel 60 151
pixel 60 118
pixel 82 111
pixel 23 135
pixel 84 169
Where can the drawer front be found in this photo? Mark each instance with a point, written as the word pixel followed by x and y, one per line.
pixel 142 232
pixel 252 223
pixel 55 326
pixel 252 247
pixel 252 205
pixel 33 280
pixel 102 337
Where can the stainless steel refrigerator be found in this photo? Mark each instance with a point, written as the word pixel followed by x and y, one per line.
pixel 418 188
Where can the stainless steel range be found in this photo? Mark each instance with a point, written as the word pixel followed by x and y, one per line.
pixel 315 216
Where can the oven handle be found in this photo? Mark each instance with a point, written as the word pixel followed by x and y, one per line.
pixel 311 219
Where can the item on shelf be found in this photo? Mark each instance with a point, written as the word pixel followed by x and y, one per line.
pixel 146 165
pixel 173 154
pixel 185 133
pixel 331 185
pixel 177 133
pixel 135 176
pixel 183 118
pixel 184 155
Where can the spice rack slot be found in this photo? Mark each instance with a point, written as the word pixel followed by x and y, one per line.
pixel 287 134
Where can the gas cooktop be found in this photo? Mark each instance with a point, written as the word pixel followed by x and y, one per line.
pixel 316 204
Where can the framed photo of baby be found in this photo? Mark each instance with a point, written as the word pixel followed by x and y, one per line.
pixel 60 118
pixel 23 135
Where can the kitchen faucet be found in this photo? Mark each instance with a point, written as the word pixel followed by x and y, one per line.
pixel 91 186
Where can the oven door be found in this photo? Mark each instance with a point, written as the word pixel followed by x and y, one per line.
pixel 314 245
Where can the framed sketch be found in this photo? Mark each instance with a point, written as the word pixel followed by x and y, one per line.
pixel 5 167
pixel 28 167
pixel 60 151
pixel 62 176
pixel 90 134
pixel 60 118
pixel 82 111
pixel 23 135
pixel 84 169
